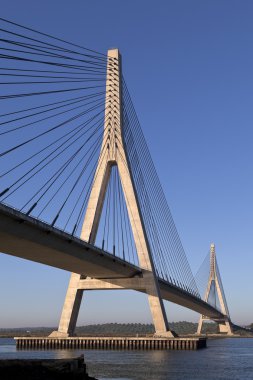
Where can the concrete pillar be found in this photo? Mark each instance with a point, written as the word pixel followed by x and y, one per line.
pixel 70 309
pixel 200 325
pixel 113 153
pixel 225 326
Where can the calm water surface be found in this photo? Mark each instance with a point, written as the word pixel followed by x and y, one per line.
pixel 224 359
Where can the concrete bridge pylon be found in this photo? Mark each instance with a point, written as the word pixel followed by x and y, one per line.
pixel 214 282
pixel 113 154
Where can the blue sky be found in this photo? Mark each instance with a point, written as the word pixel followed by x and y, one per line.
pixel 188 65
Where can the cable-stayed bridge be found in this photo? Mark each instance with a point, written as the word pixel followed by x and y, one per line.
pixel 79 190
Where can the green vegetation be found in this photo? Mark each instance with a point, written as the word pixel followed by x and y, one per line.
pixel 117 329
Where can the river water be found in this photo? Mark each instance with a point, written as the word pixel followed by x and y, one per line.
pixel 224 359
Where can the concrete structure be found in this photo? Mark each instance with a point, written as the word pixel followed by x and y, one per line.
pixel 113 153
pixel 127 343
pixel 225 325
pixel 31 239
pixel 93 268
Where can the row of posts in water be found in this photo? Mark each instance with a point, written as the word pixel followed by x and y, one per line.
pixel 111 343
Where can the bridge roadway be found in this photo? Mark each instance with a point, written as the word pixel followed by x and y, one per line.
pixel 31 239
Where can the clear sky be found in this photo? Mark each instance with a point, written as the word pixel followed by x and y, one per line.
pixel 189 68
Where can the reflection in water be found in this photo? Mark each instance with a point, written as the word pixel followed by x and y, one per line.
pixel 224 359
pixel 63 354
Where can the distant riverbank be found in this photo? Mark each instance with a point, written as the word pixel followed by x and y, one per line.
pixel 119 329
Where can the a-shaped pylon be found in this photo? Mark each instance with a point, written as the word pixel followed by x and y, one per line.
pixel 215 286
pixel 113 154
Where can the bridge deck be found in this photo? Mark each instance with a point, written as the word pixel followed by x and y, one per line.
pixel 31 239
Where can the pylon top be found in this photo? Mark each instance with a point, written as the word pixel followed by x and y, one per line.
pixel 113 53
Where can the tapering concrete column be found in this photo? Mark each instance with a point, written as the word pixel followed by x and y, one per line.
pixel 113 153
pixel 225 325
pixel 70 309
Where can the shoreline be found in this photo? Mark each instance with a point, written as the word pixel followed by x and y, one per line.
pixel 208 336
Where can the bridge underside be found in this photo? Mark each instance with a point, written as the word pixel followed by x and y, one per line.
pixel 30 239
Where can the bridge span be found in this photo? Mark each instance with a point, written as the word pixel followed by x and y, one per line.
pixel 31 239
pixel 73 154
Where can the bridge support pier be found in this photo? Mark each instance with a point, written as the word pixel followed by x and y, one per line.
pixel 214 283
pixel 78 285
pixel 225 328
pixel 70 309
pixel 113 146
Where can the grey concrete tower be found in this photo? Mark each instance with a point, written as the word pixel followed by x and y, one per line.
pixel 113 153
pixel 214 280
